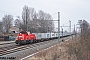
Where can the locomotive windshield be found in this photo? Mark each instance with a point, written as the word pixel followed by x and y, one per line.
pixel 23 32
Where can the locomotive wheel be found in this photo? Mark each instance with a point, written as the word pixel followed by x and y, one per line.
pixel 16 41
pixel 22 42
pixel 34 41
pixel 31 41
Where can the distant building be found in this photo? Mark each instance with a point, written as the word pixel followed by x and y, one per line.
pixel 14 29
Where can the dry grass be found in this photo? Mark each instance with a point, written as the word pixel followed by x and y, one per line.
pixel 58 52
pixel 80 48
pixel 68 50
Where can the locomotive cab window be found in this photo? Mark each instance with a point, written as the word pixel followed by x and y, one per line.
pixel 23 32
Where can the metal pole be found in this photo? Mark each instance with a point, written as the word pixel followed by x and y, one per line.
pixel 70 26
pixel 59 27
pixel 74 29
pixel 62 31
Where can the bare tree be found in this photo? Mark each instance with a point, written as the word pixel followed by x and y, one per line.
pixel 7 22
pixel 33 20
pixel 25 16
pixel 17 22
pixel 45 21
pixel 33 14
pixel 28 15
pixel 84 26
pixel 85 39
pixel 36 22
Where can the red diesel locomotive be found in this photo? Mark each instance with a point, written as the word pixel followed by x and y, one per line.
pixel 24 37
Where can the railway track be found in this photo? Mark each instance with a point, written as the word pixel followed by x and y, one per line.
pixel 16 48
pixel 8 46
pixel 7 43
pixel 23 50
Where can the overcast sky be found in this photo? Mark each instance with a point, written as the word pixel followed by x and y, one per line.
pixel 73 10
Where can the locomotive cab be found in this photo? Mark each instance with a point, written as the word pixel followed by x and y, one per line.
pixel 24 37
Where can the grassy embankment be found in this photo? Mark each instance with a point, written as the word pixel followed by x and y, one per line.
pixel 74 49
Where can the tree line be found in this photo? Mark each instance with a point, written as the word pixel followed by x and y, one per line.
pixel 30 21
pixel 80 50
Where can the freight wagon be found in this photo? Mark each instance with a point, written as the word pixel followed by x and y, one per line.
pixel 24 37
